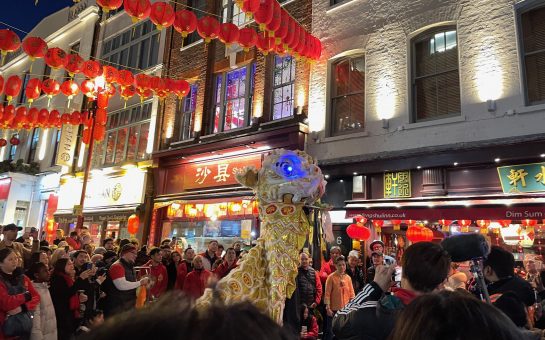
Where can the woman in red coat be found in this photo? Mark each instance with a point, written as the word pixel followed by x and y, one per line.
pixel 196 281
pixel 17 294
pixel 185 267
pixel 228 264
pixel 309 325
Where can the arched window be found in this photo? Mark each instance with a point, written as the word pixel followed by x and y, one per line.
pixel 435 74
pixel 533 53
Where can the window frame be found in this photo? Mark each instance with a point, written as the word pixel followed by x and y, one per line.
pixel 12 152
pixel 186 132
pixel 282 85
pixel 523 8
pixel 228 13
pixel 56 147
pixel 426 34
pixel 194 37
pixel 34 144
pixel 248 97
pixel 332 97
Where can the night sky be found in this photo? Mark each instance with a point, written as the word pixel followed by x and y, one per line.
pixel 24 15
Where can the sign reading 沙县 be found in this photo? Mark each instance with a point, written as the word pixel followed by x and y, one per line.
pixel 67 145
pixel 397 184
pixel 522 178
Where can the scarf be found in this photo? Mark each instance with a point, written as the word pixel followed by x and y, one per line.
pixel 404 295
pixel 74 299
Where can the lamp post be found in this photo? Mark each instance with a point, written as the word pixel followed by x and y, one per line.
pixel 100 85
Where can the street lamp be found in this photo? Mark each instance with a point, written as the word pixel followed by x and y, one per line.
pixel 100 87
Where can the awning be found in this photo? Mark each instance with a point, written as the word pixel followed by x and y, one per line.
pixel 492 208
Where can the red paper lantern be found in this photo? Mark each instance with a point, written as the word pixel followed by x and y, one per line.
pixel 1 84
pixel 65 118
pixel 54 118
pixel 14 141
pixel 185 22
pixel 396 222
pixel 290 35
pixel 247 38
pixel 101 116
pixel 55 58
pixel 35 47
pixel 208 28
pixel 32 116
pixel 110 74
pixel 419 234
pixel 142 83
pixel 20 117
pixel 75 118
pixel 88 88
pixel 464 223
pixel 109 5
pixel 445 222
pixel 265 43
pixel 358 232
pixel 318 48
pixel 264 14
pixel 378 223
pixel 282 30
pixel 102 100
pixel 228 33
pixel 250 6
pixel 43 116
pixel 410 222
pixel 70 89
pixel 99 133
pixel 180 88
pixel 92 69
pixel 33 89
pixel 162 15
pixel 360 219
pixel 74 64
pixel 9 42
pixel 125 78
pixel 3 142
pixel 528 223
pixel 13 87
pixel 274 24
pixel 133 223
pixel 295 41
pixel 504 223
pixel 127 93
pixel 51 87
pixel 137 9
pixel 85 136
pixel 482 223
pixel 9 113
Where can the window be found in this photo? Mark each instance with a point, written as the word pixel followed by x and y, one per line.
pixel 33 145
pixel 199 8
pixel 348 95
pixel 533 52
pixel 56 147
pixel 47 72
pixel 13 148
pixel 188 112
pixel 234 91
pixel 231 12
pixel 136 47
pixel 435 79
pixel 283 86
pixel 22 94
pixel 127 135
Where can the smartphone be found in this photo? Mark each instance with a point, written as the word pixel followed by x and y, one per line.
pixel 397 274
pixel 87 266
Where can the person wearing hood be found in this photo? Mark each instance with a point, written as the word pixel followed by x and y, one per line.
pixel 372 314
pixel 44 323
pixel 196 281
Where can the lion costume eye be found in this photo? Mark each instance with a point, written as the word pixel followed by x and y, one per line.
pixel 290 167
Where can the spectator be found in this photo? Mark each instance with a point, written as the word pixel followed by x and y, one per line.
pixel 371 314
pixel 452 316
pixel 158 273
pixel 99 250
pixel 58 254
pixel 66 298
pixel 124 242
pixel 25 238
pixel 499 270
pixel 108 244
pixel 209 256
pixel 338 292
pixel 355 272
pixel 96 259
pixel 40 256
pixel 186 322
pixel 378 246
pixel 73 241
pixel 329 267
pixel 142 256
pixel 309 325
pixel 219 252
pixel 456 279
pixel 196 281
pixel 91 322
pixel 90 283
pixel 89 249
pixel 59 237
pixel 17 294
pixel 170 266
pixel 121 284
pixel 109 258
pixel 227 264
pixel 377 259
pixel 47 250
pixel 237 246
pixel 166 242
pixel 44 322
pixel 185 267
pixel 23 254
pixel 176 258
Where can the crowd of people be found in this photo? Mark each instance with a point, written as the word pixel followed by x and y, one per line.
pixel 68 289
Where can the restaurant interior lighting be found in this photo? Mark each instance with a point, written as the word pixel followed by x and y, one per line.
pixel 355 173
pixel 418 167
pixel 341 181
pixel 542 155
pixel 326 176
pixel 455 163
pixel 497 160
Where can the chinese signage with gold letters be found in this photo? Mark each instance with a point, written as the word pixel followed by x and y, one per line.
pixel 522 178
pixel 397 184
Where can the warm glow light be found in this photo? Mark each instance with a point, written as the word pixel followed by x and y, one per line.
pixel 488 72
pixel 258 106
pixel 81 155
pixel 43 145
pixel 197 124
pixel 100 83
pixel 152 126
pixel 301 97
pixel 170 130
pixel 231 153
pixel 386 98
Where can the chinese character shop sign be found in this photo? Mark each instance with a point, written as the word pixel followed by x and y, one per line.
pixel 522 178
pixel 216 173
pixel 397 184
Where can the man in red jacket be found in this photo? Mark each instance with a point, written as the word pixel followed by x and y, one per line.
pixel 73 240
pixel 158 272
pixel 196 281
pixel 329 267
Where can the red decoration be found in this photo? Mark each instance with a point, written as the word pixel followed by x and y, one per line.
pixel 358 232
pixel 92 69
pixel 274 24
pixel 125 78
pixel 504 223
pixel 99 133
pixel 396 222
pixel 142 83
pixel 9 42
pixel 20 117
pixel 250 7
pixel 208 28
pixel 295 41
pixel 360 219
pixel 110 74
pixel 55 58
pixel 265 43
pixel 3 142
pixel 528 223
pixel 180 88
pixel 264 14
pixel 33 89
pixel 1 84
pixel 290 35
pixel 13 87
pixel 51 87
pixel 85 136
pixel 162 15
pixel 9 113
pixel 65 118
pixel 14 141
pixel 74 64
pixel 419 234
pixel 70 89
pixel 378 223
pixel 464 223
pixel 75 118
pixel 482 223
pixel 127 93
pixel 102 101
pixel 185 22
pixel 109 5
pixel 445 222
pixel 35 47
pixel 133 223
pixel 32 116
pixel 54 118
pixel 137 9
pixel 410 222
pixel 247 38
pixel 282 31
pixel 43 116
pixel 101 116
pixel 228 33
pixel 88 88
